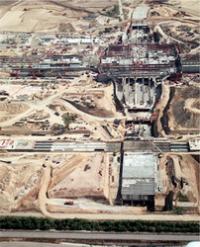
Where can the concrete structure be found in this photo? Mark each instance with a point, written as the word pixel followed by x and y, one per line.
pixel 140 13
pixel 139 61
pixel 194 144
pixel 139 177
pixel 188 67
pixel 59 146
pixel 137 94
pixel 190 63
pixel 130 145
pixel 50 66
pixel 137 69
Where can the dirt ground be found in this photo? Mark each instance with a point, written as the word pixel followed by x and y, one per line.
pixel 90 182
pixel 180 174
pixel 48 15
pixel 19 182
pixel 189 6
pixel 178 110
pixel 10 110
pixel 97 102
pixel 134 214
pixel 46 107
pixel 192 105
pixel 170 7
pixel 177 21
pixel 31 182
pixel 61 185
pixel 182 118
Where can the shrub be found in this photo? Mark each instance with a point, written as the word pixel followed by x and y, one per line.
pixel 33 223
pixel 68 118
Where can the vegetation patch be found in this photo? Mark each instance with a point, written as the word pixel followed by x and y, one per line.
pixel 112 12
pixel 182 198
pixel 33 223
pixel 68 118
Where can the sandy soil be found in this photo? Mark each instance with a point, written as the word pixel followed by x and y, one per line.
pixel 181 117
pixel 192 105
pixel 48 15
pixel 44 182
pixel 189 6
pixel 19 180
pixel 88 179
pixel 10 110
pixel 101 100
pixel 107 216
pixel 50 103
pixel 25 17
pixel 182 167
pixel 33 182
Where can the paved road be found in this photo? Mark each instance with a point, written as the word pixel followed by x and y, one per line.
pixel 101 236
pixel 61 146
pixel 35 244
pixel 92 146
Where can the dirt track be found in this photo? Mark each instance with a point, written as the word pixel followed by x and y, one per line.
pixel 42 196
pixel 190 105
pixel 161 106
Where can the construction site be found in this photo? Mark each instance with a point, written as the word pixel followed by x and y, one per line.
pixel 75 184
pixel 52 183
pixel 99 109
pixel 181 115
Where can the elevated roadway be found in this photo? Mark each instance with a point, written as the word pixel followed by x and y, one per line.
pixel 160 146
pixel 152 145
pixel 134 146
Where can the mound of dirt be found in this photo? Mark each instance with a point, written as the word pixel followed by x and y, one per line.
pixel 10 110
pixel 180 175
pixel 17 184
pixel 183 111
